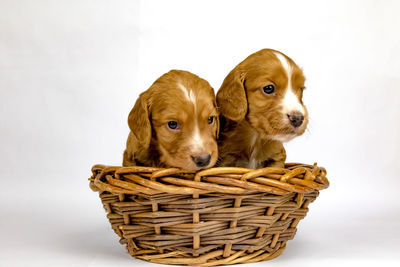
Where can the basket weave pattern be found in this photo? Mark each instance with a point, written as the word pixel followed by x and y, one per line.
pixel 217 216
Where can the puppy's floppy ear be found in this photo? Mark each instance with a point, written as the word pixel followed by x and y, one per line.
pixel 231 97
pixel 139 121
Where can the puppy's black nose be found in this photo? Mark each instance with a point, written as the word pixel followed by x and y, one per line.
pixel 296 119
pixel 202 160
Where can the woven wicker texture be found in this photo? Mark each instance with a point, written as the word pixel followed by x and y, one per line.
pixel 216 216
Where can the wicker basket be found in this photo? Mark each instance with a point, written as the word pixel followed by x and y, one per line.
pixel 216 216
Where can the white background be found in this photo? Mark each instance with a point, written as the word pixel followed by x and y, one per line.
pixel 70 71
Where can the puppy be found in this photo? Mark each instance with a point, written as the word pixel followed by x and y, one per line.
pixel 174 124
pixel 261 106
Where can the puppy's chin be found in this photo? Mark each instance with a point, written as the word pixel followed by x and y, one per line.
pixel 282 137
pixel 287 133
pixel 277 129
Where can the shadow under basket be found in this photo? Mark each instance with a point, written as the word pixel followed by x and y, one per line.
pixel 223 215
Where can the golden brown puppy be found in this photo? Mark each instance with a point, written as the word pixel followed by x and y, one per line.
pixel 174 124
pixel 261 106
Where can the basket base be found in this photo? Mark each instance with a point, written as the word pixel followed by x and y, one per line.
pixel 210 259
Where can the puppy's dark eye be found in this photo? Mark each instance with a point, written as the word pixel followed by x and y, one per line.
pixel 173 125
pixel 210 119
pixel 269 89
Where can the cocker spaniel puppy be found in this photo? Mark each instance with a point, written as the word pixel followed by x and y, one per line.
pixel 174 124
pixel 261 106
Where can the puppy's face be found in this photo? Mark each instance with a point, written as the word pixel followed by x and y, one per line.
pixel 184 120
pixel 272 89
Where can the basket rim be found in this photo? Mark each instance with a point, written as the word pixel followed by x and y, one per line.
pixel 294 178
